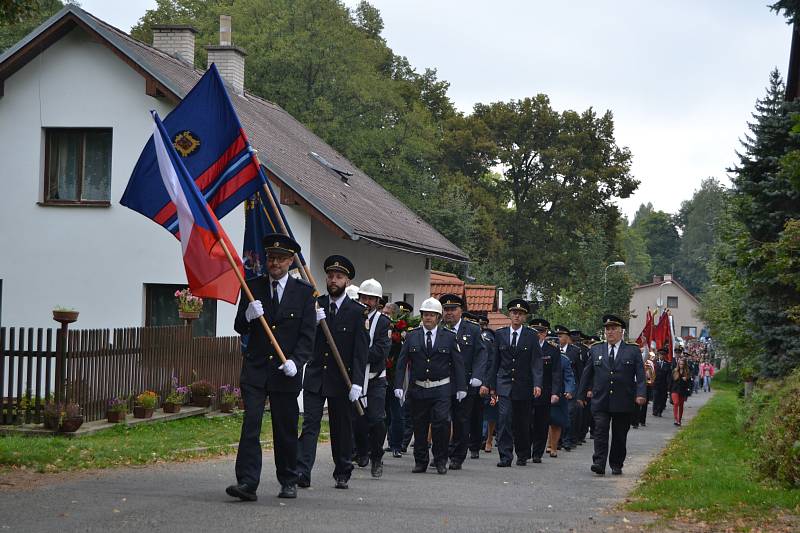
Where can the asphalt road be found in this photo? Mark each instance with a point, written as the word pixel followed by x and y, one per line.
pixel 558 495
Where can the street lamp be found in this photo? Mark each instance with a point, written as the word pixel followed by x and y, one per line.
pixel 660 300
pixel 605 279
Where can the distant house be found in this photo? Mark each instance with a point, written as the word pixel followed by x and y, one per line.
pixel 478 298
pixel 74 100
pixel 682 305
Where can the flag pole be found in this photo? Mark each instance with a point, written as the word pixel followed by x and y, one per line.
pixel 250 297
pixel 305 272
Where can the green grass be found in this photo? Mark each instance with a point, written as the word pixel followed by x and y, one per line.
pixel 705 473
pixel 179 440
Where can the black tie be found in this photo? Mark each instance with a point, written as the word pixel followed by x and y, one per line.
pixel 514 340
pixel 611 356
pixel 275 295
pixel 428 342
pixel 333 309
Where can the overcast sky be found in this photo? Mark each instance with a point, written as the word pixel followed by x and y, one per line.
pixel 681 77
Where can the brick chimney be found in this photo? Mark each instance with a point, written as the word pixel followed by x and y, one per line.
pixel 667 277
pixel 176 40
pixel 228 58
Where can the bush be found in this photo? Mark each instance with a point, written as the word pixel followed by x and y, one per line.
pixel 779 435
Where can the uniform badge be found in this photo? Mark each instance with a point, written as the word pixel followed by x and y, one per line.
pixel 186 143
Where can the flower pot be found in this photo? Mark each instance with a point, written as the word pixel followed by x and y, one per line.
pixel 188 315
pixel 201 401
pixel 227 407
pixel 71 424
pixel 65 317
pixel 51 422
pixel 170 407
pixel 115 416
pixel 142 412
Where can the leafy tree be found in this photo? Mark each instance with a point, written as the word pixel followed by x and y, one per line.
pixel 19 18
pixel 660 234
pixel 634 250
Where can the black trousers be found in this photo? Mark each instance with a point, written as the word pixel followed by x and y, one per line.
pixel 476 424
pixel 408 424
pixel 513 428
pixel 620 424
pixel 435 413
pixel 587 421
pixel 540 424
pixel 659 400
pixel 284 433
pixel 369 430
pixel 339 409
pixel 463 414
pixel 569 437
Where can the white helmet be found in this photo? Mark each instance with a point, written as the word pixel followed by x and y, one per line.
pixel 432 305
pixel 352 292
pixel 371 287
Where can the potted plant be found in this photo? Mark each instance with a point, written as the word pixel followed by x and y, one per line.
pixel 176 397
pixel 145 404
pixel 229 398
pixel 189 305
pixel 52 413
pixel 117 409
pixel 72 419
pixel 65 315
pixel 202 393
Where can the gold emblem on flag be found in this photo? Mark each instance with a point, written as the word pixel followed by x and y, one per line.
pixel 186 143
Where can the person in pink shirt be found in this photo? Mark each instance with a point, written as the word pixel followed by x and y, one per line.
pixel 706 373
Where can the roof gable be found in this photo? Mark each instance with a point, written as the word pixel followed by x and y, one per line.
pixel 674 282
pixel 358 209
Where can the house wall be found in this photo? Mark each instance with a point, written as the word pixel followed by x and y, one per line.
pixel 93 259
pixel 684 315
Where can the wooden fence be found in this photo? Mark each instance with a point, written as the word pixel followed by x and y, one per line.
pixel 102 364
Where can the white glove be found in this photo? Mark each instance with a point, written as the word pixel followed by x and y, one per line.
pixel 289 368
pixel 320 314
pixel 475 382
pixel 254 310
pixel 355 392
pixel 398 393
pixel 460 395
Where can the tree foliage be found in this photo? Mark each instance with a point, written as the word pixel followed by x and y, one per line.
pixel 20 17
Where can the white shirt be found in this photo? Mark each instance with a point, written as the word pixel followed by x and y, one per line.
pixel 338 301
pixel 455 328
pixel 425 335
pixel 511 334
pixel 281 285
pixel 616 349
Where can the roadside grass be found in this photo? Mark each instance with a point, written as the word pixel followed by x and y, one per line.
pixel 178 440
pixel 705 474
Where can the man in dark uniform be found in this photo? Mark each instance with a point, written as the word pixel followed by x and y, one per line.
pixel 432 356
pixel 370 430
pixel 516 379
pixel 567 346
pixel 491 421
pixel 323 380
pixel 661 384
pixel 551 389
pixel 587 420
pixel 288 306
pixel 467 417
pixel 408 423
pixel 612 380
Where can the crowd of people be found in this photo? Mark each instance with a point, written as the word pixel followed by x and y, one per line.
pixel 446 387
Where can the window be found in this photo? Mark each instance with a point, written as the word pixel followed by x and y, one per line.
pixel 77 167
pixel 672 302
pixel 688 331
pixel 408 298
pixel 161 310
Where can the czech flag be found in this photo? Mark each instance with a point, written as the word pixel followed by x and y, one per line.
pixel 208 270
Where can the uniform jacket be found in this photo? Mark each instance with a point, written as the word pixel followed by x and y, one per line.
pixel 473 352
pixel 551 372
pixel 444 361
pixel 516 372
pixel 568 384
pixel 614 388
pixel 293 325
pixel 663 372
pixel 491 352
pixel 573 353
pixel 322 374
pixel 381 343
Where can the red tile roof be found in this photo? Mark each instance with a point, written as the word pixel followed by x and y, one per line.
pixel 445 283
pixel 498 320
pixel 480 298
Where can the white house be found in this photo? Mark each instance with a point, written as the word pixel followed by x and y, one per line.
pixel 665 291
pixel 74 102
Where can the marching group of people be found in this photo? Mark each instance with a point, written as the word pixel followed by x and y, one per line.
pixel 449 383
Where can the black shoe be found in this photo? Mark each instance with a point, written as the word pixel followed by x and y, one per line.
pixel 567 448
pixel 362 461
pixel 341 483
pixel 288 491
pixel 635 426
pixel 616 471
pixel 404 449
pixel 675 424
pixel 387 449
pixel 599 470
pixel 475 455
pixel 644 425
pixel 441 468
pixel 455 465
pixel 397 454
pixel 243 492
pixel 504 464
pixel 419 468
pixel 536 459
pixel 377 468
pixel 522 462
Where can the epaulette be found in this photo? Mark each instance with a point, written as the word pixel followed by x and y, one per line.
pixel 301 281
pixel 449 329
pixel 414 329
pixel 551 343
